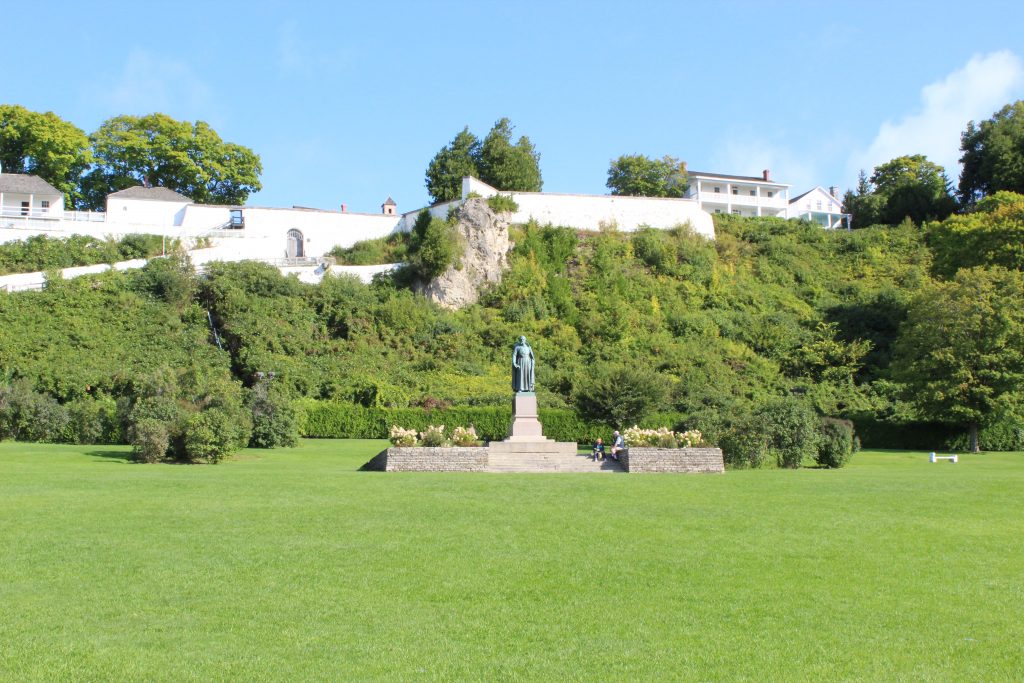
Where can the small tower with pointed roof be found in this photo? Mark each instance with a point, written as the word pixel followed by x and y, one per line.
pixel 389 207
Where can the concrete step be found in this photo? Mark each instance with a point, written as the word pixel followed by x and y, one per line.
pixel 548 462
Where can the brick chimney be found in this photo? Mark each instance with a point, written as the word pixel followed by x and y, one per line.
pixel 767 175
pixel 343 208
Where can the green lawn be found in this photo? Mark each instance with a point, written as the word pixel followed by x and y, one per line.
pixel 292 565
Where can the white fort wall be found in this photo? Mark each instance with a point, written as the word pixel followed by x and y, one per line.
pixel 591 212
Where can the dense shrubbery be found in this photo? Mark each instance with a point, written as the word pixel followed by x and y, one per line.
pixel 662 328
pixel 502 203
pixel 835 443
pixel 391 249
pixel 40 252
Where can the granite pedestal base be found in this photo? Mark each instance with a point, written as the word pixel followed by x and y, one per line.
pixel 526 435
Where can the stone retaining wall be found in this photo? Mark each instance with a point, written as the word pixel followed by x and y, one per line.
pixel 672 460
pixel 436 459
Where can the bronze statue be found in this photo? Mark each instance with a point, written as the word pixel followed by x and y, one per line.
pixel 522 366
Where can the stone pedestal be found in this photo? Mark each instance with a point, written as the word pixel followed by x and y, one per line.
pixel 526 434
pixel 525 422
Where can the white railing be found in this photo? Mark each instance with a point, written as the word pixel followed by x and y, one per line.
pixel 85 216
pixel 742 200
pixel 299 261
pixel 18 212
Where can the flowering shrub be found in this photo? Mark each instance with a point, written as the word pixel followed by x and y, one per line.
pixel 433 435
pixel 662 438
pixel 464 436
pixel 402 437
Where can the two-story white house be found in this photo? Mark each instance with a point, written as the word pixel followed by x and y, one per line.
pixel 739 195
pixel 29 196
pixel 820 206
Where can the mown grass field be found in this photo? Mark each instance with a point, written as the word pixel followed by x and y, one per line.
pixel 292 565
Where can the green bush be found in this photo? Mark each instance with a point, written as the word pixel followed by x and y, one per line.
pixel 150 440
pixel 273 416
pixel 502 203
pixel 391 249
pixel 40 252
pixel 434 246
pixel 835 445
pixel 1003 435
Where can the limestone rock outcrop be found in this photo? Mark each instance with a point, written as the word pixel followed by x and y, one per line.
pixel 486 244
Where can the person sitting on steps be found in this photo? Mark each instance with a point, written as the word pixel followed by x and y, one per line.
pixel 598 453
pixel 618 445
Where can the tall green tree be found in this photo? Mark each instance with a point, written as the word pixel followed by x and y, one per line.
pixel 864 206
pixel 640 176
pixel 156 150
pixel 496 161
pixel 455 161
pixel 993 155
pixel 912 187
pixel 508 166
pixel 43 144
pixel 961 349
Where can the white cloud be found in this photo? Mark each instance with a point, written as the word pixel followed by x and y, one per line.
pixel 974 92
pixel 148 84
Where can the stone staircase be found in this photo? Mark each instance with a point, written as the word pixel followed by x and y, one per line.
pixel 548 462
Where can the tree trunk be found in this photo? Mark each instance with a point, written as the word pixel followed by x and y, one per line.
pixel 974 437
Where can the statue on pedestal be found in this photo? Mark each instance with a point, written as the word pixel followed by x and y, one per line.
pixel 522 366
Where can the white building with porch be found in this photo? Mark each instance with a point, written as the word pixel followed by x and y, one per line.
pixel 739 195
pixel 822 207
pixel 29 197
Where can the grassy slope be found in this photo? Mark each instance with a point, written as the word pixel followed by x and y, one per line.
pixel 291 565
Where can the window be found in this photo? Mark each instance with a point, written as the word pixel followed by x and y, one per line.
pixel 45 203
pixel 718 211
pixel 737 212
pixel 753 193
pixel 718 189
pixel 24 208
pixel 771 194
pixel 819 205
pixel 735 190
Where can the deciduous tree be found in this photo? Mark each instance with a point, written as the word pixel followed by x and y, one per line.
pixel 993 155
pixel 45 145
pixel 190 158
pixel 961 350
pixel 640 176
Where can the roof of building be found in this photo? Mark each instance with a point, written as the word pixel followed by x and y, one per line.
pixel 813 189
pixel 162 194
pixel 725 176
pixel 390 201
pixel 22 183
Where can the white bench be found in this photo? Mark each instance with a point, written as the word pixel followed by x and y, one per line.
pixel 936 458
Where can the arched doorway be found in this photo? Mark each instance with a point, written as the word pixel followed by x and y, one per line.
pixel 295 244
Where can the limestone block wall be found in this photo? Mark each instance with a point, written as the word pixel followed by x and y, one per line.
pixel 673 460
pixel 436 459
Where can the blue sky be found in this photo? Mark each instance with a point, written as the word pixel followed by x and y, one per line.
pixel 348 102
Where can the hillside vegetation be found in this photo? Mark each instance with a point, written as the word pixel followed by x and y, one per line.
pixel 660 326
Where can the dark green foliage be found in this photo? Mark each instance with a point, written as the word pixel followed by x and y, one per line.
pixel 620 394
pixel 496 161
pixel 274 421
pixel 993 154
pixel 783 431
pixel 194 416
pixel 391 249
pixel 1006 434
pixel 835 446
pixel 434 246
pixel 40 252
pixel 454 162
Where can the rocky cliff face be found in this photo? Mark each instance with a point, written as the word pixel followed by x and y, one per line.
pixel 486 244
